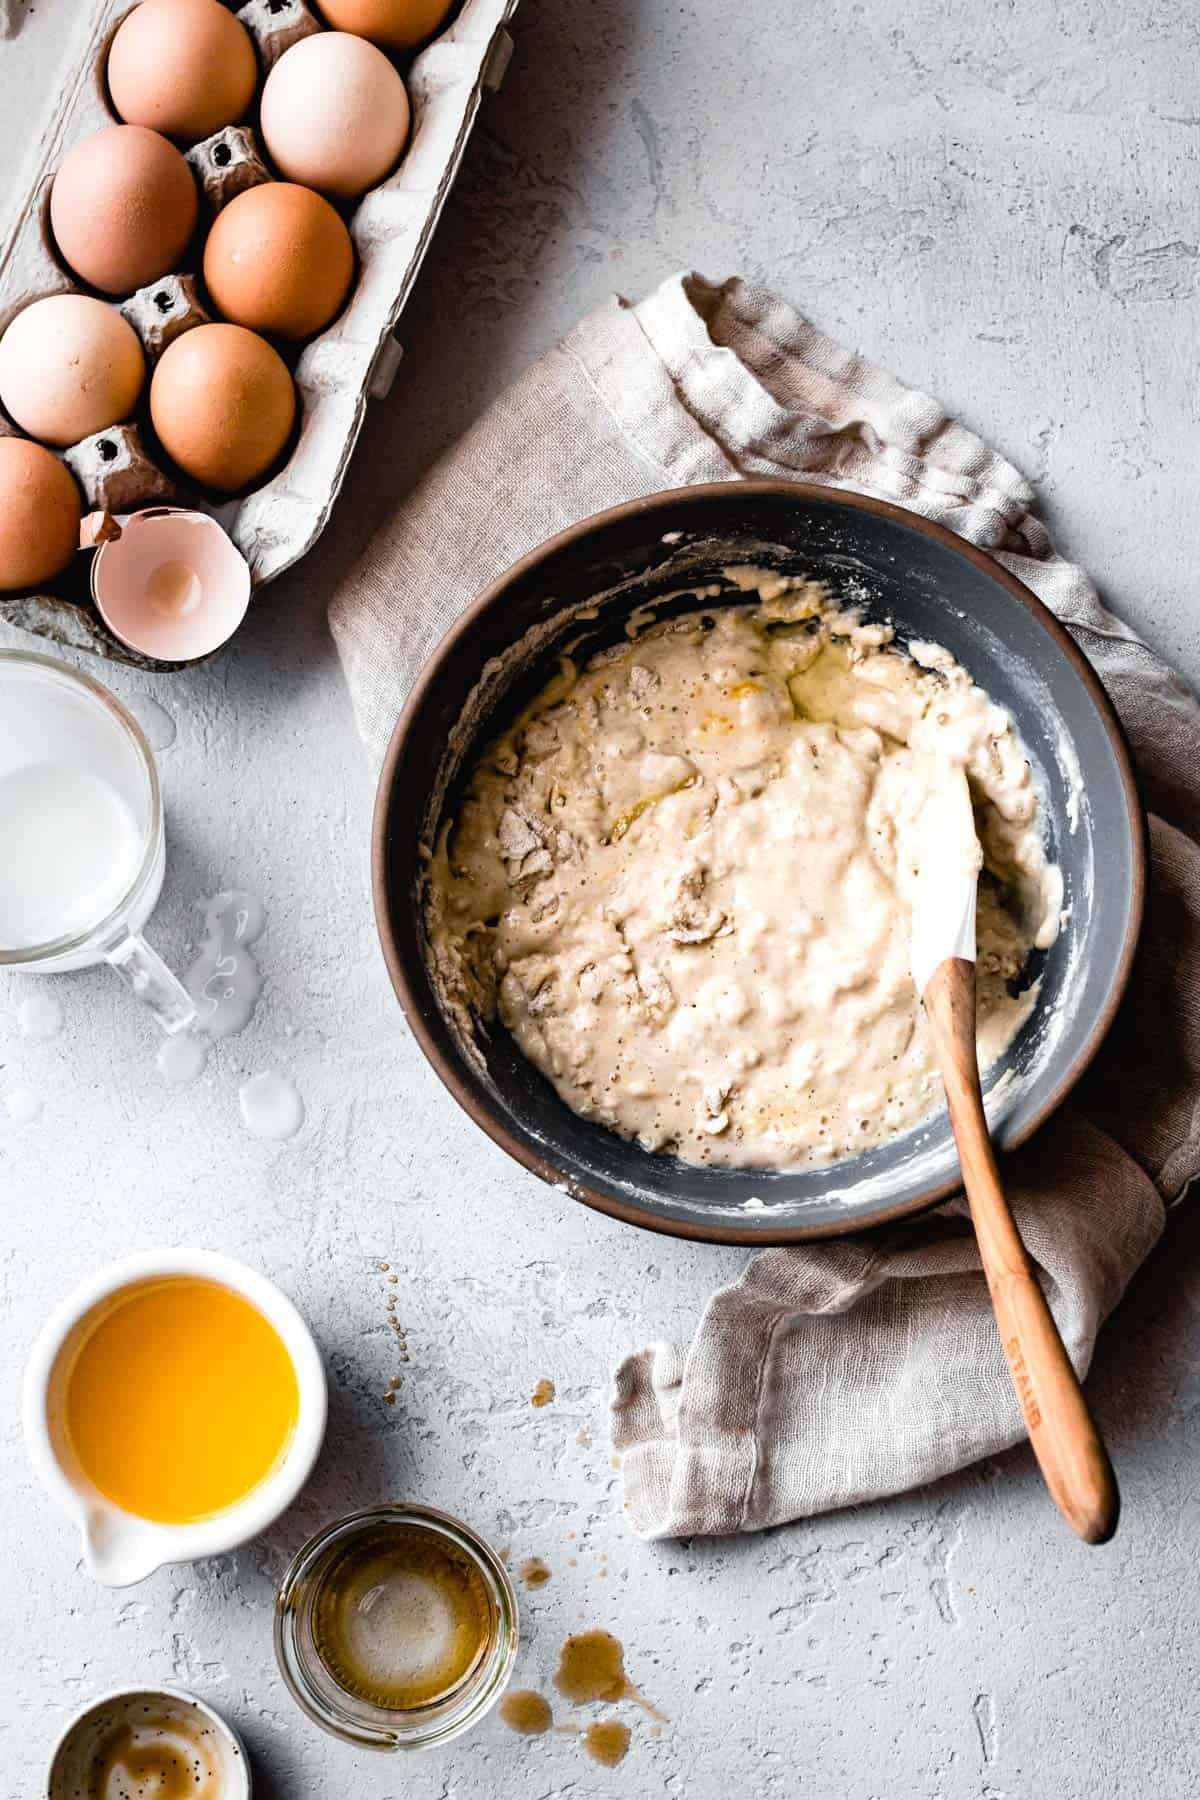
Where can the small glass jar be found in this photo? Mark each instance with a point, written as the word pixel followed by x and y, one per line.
pixel 347 1715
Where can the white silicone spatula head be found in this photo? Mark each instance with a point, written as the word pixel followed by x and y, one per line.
pixel 940 861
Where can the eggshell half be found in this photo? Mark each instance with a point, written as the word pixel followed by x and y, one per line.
pixel 173 585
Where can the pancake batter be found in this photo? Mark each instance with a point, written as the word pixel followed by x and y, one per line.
pixel 674 879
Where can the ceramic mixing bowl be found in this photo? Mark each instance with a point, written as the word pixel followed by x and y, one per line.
pixel 582 587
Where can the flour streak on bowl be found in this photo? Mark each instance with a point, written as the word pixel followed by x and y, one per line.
pixel 580 590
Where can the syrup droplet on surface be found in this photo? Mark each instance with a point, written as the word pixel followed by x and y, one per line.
pixel 591 1667
pixel 534 1572
pixel 606 1741
pixel 543 1393
pixel 527 1712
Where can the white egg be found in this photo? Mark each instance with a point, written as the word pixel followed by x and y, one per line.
pixel 335 114
pixel 70 366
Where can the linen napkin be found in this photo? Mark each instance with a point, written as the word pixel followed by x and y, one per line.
pixel 848 1370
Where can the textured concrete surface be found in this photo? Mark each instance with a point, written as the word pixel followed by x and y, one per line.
pixel 1000 203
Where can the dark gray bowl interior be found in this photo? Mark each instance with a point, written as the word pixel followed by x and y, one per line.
pixel 927 585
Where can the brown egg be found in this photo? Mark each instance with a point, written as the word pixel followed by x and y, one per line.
pixel 185 67
pixel 39 515
pixel 123 207
pixel 70 366
pixel 222 403
pixel 279 259
pixel 394 24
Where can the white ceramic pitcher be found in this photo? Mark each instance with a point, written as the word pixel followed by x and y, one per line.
pixel 118 1547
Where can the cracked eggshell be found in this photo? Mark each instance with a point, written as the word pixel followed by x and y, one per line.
pixel 223 405
pixel 334 114
pixel 279 259
pixel 183 67
pixel 39 515
pixel 70 366
pixel 123 208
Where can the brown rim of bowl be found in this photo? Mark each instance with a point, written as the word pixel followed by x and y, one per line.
pixel 445 1067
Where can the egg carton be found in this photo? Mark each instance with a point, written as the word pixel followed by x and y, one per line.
pixel 336 374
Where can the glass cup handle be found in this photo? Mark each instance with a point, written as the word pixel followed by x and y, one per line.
pixel 151 980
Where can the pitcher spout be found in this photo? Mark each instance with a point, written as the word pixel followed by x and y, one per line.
pixel 119 1550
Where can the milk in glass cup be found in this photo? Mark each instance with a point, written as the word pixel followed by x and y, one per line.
pixel 81 833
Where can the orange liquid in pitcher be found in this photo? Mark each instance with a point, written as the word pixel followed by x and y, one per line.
pixel 181 1399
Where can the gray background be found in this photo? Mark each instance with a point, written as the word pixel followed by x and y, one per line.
pixel 999 203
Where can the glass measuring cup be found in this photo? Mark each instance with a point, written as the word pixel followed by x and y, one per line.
pixel 82 849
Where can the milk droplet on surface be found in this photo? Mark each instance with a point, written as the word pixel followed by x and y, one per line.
pixel 271 1106
pixel 40 1016
pixel 156 722
pixel 224 981
pixel 22 1105
pixel 181 1058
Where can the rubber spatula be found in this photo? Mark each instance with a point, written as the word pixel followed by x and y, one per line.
pixel 942 855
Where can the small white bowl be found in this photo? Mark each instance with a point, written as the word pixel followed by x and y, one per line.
pixel 83 1736
pixel 118 1547
pixel 174 585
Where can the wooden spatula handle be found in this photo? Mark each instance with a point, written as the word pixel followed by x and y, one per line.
pixel 1073 1459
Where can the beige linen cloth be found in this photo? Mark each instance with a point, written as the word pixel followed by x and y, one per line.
pixel 843 1371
